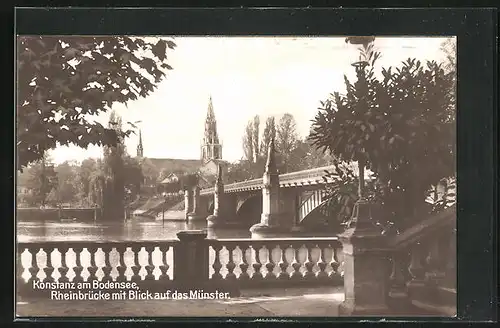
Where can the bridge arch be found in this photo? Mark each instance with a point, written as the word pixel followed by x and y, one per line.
pixel 249 208
pixel 310 205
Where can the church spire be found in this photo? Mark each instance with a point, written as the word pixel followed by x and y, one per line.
pixel 140 149
pixel 211 148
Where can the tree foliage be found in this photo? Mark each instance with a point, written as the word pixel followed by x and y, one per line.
pixel 62 81
pixel 67 188
pixel 268 134
pixel 248 152
pixel 255 138
pixel 37 182
pixel 286 140
pixel 401 126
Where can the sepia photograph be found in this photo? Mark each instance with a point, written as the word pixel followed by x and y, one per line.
pixel 235 176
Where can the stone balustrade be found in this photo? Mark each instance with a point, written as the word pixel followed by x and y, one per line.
pixel 423 264
pixel 144 261
pixel 277 262
pixel 157 265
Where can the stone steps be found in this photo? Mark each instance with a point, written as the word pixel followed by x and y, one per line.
pixel 438 299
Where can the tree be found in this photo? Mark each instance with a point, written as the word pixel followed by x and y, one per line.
pixel 150 173
pixel 286 139
pixel 63 80
pixel 67 187
pixel 83 177
pixel 133 177
pixel 248 142
pixel 114 172
pixel 268 134
pixel 40 179
pixel 449 47
pixel 306 156
pixel 402 127
pixel 255 138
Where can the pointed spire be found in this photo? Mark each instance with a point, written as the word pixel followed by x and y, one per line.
pixel 140 149
pixel 210 112
pixel 212 147
pixel 271 157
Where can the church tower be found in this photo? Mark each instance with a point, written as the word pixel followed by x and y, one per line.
pixel 140 150
pixel 211 148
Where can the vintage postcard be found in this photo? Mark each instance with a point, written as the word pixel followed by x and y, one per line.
pixel 221 176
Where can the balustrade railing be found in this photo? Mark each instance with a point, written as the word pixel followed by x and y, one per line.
pixel 239 263
pixel 424 264
pixel 277 262
pixel 142 262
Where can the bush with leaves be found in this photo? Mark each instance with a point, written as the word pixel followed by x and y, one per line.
pixel 401 127
pixel 62 81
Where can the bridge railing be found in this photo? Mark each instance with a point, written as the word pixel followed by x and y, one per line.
pixel 160 265
pixel 305 177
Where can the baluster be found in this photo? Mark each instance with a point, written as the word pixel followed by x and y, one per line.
pixel 136 268
pixel 416 269
pixel 34 265
pixel 433 260
pixel 283 264
pixel 63 269
pixel 150 267
pixel 106 269
pixel 121 268
pixel 217 265
pixel 244 276
pixel 164 267
pixel 270 265
pixel 309 264
pixel 296 265
pixel 321 275
pixel 20 283
pixel 49 269
pixel 257 275
pixel 230 264
pixel 93 267
pixel 397 290
pixel 335 274
pixel 78 265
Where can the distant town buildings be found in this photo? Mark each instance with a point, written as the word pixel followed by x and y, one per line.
pixel 171 170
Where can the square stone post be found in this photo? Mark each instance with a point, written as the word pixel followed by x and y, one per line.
pixel 366 266
pixel 191 260
pixel 270 220
pixel 216 219
pixel 194 215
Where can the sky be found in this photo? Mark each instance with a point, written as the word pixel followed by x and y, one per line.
pixel 245 76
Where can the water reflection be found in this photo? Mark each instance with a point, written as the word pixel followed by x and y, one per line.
pixel 135 229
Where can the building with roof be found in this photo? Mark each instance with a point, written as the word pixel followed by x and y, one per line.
pixel 168 172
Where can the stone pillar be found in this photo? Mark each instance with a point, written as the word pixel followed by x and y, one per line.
pixel 270 218
pixel 191 260
pixel 366 266
pixel 216 218
pixel 188 202
pixel 194 215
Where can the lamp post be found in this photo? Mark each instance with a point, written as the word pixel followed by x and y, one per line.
pixel 362 206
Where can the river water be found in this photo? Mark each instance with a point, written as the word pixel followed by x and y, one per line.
pixel 135 229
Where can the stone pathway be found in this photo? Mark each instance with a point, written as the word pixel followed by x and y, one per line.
pixel 253 303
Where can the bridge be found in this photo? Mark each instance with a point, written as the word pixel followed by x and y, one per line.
pixel 276 203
